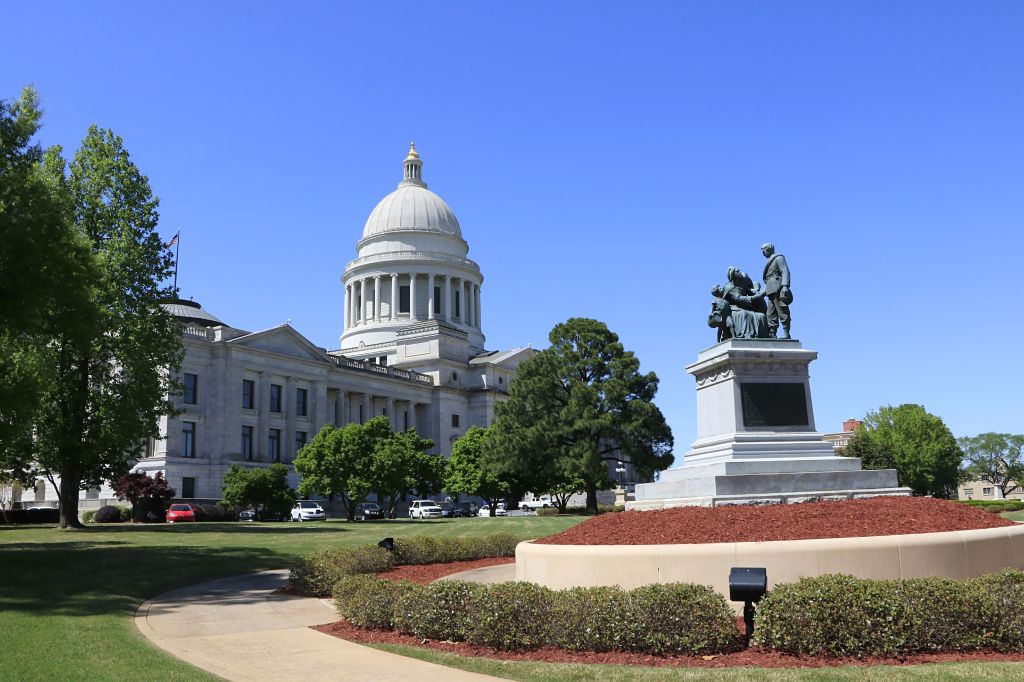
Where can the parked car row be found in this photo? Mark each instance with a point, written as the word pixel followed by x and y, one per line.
pixel 306 510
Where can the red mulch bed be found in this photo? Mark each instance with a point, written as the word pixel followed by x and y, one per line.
pixel 425 573
pixel 809 520
pixel 753 657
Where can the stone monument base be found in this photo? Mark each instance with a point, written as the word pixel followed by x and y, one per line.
pixel 765 481
pixel 756 441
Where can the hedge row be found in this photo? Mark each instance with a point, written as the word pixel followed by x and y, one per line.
pixel 19 516
pixel 839 615
pixel 601 509
pixel 655 619
pixel 995 506
pixel 316 574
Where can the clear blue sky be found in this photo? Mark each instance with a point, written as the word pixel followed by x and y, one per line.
pixel 605 160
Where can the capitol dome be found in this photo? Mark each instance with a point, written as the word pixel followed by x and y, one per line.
pixel 412 206
pixel 411 270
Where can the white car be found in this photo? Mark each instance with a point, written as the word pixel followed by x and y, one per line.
pixel 308 511
pixel 498 511
pixel 425 509
pixel 534 505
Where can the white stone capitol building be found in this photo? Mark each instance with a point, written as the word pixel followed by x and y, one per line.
pixel 412 349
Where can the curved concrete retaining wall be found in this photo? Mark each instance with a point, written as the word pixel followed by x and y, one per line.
pixel 956 554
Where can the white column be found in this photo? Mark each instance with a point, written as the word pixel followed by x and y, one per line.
pixel 392 417
pixel 393 308
pixel 347 325
pixel 361 307
pixel 464 287
pixel 367 408
pixel 430 296
pixel 412 296
pixel 259 439
pixel 446 304
pixel 376 298
pixel 476 303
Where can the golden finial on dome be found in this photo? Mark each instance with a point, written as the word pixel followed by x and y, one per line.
pixel 413 154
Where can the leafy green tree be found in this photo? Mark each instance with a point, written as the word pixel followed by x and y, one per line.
pixel 565 490
pixel 466 474
pixel 338 461
pixel 997 458
pixel 114 371
pixel 44 268
pixel 265 489
pixel 575 405
pixel 914 442
pixel 402 465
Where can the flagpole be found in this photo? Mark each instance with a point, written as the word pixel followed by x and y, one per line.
pixel 177 249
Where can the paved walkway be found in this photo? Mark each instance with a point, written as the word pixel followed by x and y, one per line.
pixel 237 629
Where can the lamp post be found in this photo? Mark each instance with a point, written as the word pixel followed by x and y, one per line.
pixel 620 469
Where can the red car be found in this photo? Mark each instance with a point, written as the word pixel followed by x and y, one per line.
pixel 181 512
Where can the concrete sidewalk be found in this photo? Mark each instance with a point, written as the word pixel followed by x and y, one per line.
pixel 237 629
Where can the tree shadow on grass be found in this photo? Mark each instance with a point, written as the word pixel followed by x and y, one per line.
pixel 112 578
pixel 229 528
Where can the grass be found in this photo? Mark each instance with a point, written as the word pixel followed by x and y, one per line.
pixel 67 597
pixel 1017 516
pixel 574 672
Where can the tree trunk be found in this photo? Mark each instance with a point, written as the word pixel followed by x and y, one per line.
pixel 70 484
pixel 591 498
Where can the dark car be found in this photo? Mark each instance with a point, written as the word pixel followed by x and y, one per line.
pixel 452 511
pixel 368 511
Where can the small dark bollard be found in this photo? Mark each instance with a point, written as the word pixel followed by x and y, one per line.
pixel 748 585
pixel 388 544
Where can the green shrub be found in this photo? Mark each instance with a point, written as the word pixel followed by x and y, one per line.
pixel 89 516
pixel 442 610
pixel 683 618
pixel 367 602
pixel 315 575
pixel 430 550
pixel 839 615
pixel 111 514
pixel 1006 590
pixel 594 619
pixel 547 511
pixel 510 616
pixel 519 615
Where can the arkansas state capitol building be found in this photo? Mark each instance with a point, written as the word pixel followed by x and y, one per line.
pixel 412 349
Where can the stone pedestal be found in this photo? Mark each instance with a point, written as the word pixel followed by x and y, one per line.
pixel 756 438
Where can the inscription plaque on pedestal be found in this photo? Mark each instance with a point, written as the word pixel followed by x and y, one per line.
pixel 773 404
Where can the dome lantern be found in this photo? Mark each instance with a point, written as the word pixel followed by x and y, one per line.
pixel 413 168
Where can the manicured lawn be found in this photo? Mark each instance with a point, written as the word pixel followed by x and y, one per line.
pixel 551 672
pixel 1017 516
pixel 67 598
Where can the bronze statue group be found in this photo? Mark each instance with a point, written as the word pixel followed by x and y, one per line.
pixel 743 309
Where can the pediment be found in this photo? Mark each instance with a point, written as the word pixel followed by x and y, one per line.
pixel 283 340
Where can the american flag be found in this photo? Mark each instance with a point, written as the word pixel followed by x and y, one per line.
pixel 174 240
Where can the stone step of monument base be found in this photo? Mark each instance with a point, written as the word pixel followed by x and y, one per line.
pixel 762 447
pixel 776 498
pixel 761 465
pixel 704 483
